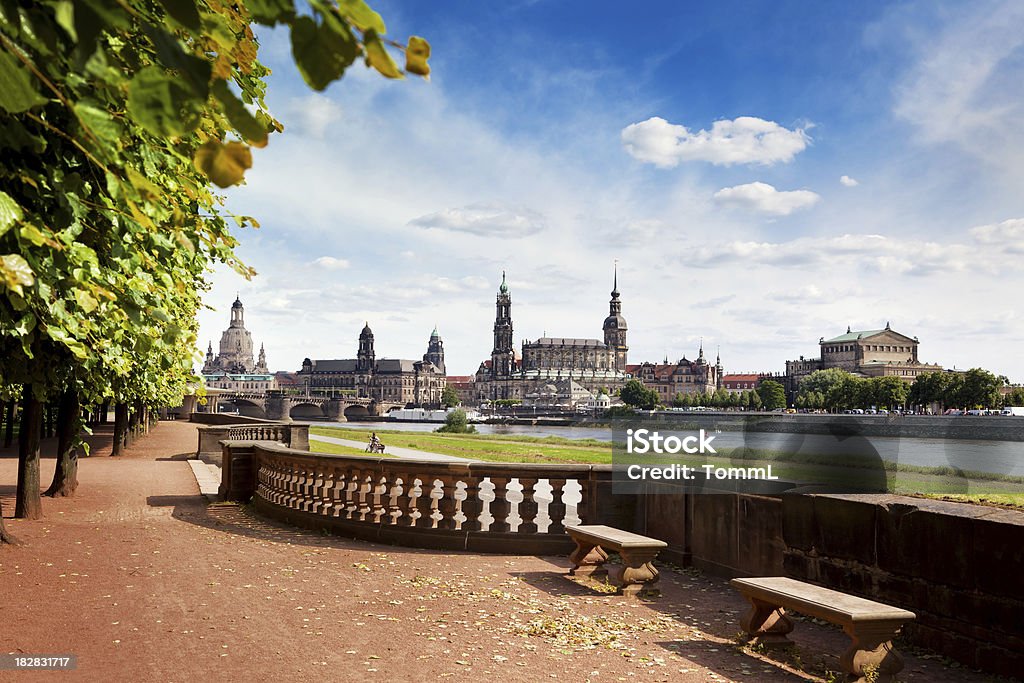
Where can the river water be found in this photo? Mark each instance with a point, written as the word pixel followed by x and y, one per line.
pixel 997 457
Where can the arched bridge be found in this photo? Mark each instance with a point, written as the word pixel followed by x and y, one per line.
pixel 273 406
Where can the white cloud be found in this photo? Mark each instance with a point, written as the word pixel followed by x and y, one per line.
pixel 1009 234
pixel 312 114
pixel 965 87
pixel 764 198
pixel 486 220
pixel 847 181
pixel 331 263
pixel 744 140
pixel 994 250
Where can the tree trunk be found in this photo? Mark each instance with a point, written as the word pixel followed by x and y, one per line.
pixel 120 428
pixel 104 411
pixel 29 503
pixel 9 428
pixel 65 477
pixel 4 536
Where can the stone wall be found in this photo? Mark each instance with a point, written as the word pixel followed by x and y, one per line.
pixel 957 566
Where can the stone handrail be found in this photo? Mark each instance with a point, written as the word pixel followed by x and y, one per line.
pixel 505 507
pixel 211 436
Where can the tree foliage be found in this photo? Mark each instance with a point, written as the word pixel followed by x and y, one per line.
pixel 457 422
pixel 635 394
pixel 772 395
pixel 449 397
pixel 114 119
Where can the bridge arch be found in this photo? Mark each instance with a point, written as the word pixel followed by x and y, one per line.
pixel 356 412
pixel 243 406
pixel 306 411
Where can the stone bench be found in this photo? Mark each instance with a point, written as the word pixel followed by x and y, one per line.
pixel 637 552
pixel 870 625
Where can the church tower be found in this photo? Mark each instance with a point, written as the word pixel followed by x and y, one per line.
pixel 365 357
pixel 261 363
pixel 503 354
pixel 435 351
pixel 615 326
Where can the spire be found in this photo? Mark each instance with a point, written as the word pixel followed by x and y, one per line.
pixel 701 354
pixel 503 289
pixel 718 356
pixel 615 280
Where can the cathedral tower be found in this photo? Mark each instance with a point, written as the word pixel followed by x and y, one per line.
pixel 365 357
pixel 503 354
pixel 615 326
pixel 435 351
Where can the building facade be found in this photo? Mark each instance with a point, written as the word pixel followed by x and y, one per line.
pixel 590 363
pixel 233 368
pixel 235 354
pixel 684 377
pixel 865 353
pixel 413 383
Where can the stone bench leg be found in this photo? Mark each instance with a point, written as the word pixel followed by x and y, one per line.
pixel 766 624
pixel 871 656
pixel 636 572
pixel 587 559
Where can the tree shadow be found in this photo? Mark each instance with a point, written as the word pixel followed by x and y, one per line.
pixel 190 455
pixel 727 658
pixel 240 520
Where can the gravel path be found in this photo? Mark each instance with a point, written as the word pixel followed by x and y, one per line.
pixel 143 581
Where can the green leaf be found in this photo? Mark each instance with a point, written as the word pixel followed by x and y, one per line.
pixel 417 52
pixel 194 71
pixel 224 164
pixel 162 103
pixel 34 235
pixel 184 12
pixel 271 12
pixel 99 122
pixel 322 52
pixel 86 300
pixel 377 56
pixel 16 273
pixel 16 91
pixel 244 122
pixel 10 213
pixel 64 13
pixel 360 14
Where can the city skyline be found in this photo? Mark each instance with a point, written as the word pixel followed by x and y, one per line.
pixel 756 194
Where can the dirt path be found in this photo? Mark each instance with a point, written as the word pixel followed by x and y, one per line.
pixel 143 582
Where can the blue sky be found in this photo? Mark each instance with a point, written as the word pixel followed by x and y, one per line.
pixel 765 173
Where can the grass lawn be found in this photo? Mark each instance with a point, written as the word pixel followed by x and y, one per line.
pixel 337 449
pixel 488 447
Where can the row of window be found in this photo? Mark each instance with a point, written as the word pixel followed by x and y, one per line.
pixel 881 348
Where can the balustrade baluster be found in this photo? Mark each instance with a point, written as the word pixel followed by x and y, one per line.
pixel 528 507
pixel 396 494
pixel 365 493
pixel 352 494
pixel 404 501
pixel 316 498
pixel 447 505
pixel 472 506
pixel 500 506
pixel 556 508
pixel 337 508
pixel 379 498
pixel 425 503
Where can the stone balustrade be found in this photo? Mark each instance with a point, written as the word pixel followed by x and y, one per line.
pixel 211 436
pixel 505 507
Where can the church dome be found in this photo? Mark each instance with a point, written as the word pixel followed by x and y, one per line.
pixel 367 332
pixel 237 304
pixel 615 322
